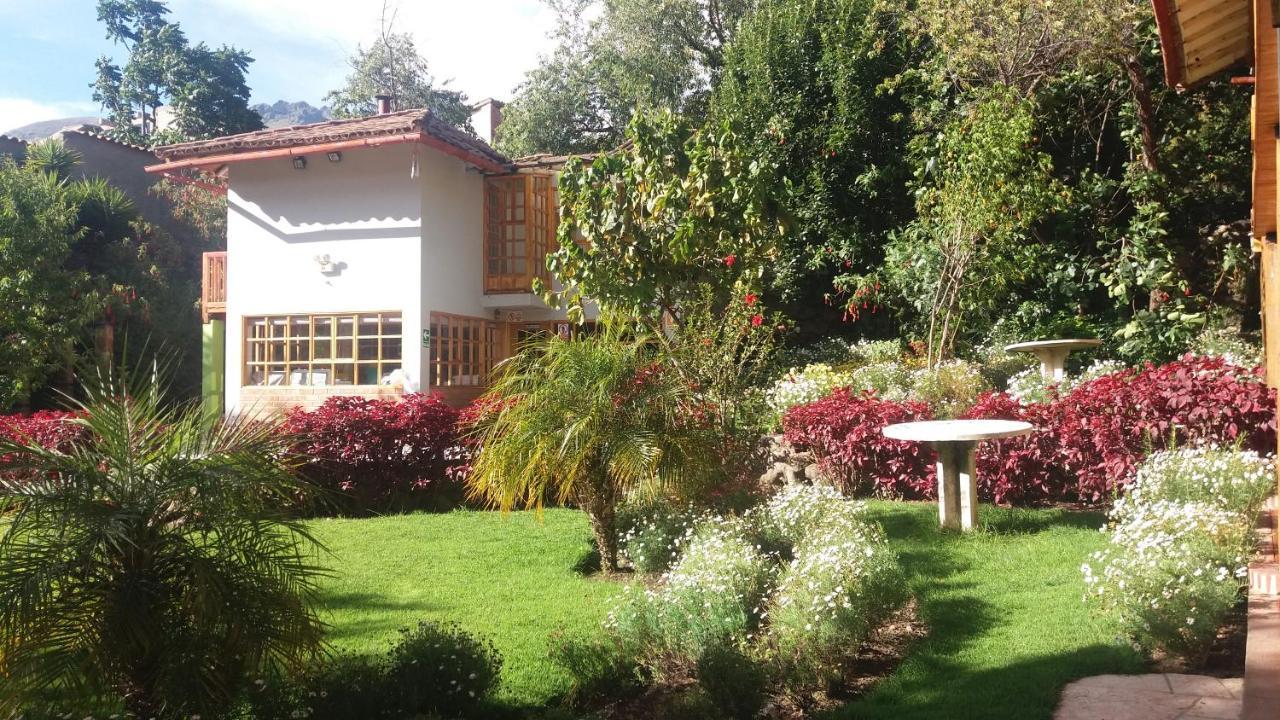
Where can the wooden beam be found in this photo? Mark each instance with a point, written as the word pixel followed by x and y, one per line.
pixel 1170 41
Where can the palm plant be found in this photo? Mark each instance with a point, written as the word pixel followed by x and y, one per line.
pixel 150 561
pixel 588 420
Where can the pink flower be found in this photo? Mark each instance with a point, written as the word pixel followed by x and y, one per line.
pixel 750 299
pixel 757 320
pixel 730 259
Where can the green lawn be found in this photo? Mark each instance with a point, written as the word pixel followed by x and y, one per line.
pixel 1007 627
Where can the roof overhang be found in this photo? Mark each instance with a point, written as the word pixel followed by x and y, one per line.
pixel 1201 38
pixel 208 162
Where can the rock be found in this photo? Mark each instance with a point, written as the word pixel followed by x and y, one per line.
pixel 814 473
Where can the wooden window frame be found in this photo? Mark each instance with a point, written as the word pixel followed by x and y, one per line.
pixel 463 350
pixel 518 209
pixel 258 350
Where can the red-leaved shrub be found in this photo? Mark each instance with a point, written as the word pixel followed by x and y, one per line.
pixel 843 430
pixel 1019 470
pixel 50 429
pixel 381 454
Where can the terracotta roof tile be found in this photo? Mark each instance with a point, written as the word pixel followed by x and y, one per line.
pixel 375 126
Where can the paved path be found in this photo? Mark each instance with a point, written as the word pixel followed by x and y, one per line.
pixel 1151 697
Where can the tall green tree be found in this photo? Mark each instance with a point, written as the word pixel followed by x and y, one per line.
pixel 642 230
pixel 204 88
pixel 150 560
pixel 393 66
pixel 612 59
pixel 813 87
pixel 44 307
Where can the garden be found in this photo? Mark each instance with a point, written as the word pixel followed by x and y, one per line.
pixel 838 220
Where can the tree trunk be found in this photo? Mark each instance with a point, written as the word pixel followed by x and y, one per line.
pixel 601 513
pixel 1146 112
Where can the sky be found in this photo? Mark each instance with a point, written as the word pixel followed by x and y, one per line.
pixel 48 47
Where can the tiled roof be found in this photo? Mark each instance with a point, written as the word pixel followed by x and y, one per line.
pixel 89 132
pixel 375 126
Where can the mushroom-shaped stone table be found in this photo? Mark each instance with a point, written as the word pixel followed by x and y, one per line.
pixel 1052 354
pixel 955 441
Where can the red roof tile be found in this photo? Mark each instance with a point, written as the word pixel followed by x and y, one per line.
pixel 375 126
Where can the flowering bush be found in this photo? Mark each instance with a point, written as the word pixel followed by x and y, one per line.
pixel 1175 565
pixel 1225 343
pixel 949 388
pixel 844 431
pixel 804 385
pixel 380 454
pixel 1031 385
pixel 889 380
pixel 651 534
pixel 797 582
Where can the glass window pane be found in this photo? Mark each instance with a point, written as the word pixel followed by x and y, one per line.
pixel 344 374
pixel 368 348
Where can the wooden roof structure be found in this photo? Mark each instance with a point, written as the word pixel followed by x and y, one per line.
pixel 1201 38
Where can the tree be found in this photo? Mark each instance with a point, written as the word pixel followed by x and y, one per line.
pixel 614 58
pixel 151 560
pixel 588 420
pixel 643 229
pixel 44 306
pixel 392 66
pixel 205 88
pixel 813 87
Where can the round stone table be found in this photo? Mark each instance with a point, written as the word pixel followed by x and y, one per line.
pixel 955 441
pixel 1052 354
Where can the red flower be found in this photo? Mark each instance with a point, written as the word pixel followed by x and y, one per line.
pixel 757 320
pixel 730 259
pixel 750 299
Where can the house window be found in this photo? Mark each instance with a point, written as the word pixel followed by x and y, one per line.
pixel 520 219
pixel 317 350
pixel 463 350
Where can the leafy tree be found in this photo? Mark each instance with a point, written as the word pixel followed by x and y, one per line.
pixel 204 87
pixel 811 87
pixel 150 561
pixel 589 420
pixel 392 66
pixel 612 59
pixel 673 211
pixel 43 306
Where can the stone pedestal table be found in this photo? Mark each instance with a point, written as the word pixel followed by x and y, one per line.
pixel 1052 354
pixel 955 441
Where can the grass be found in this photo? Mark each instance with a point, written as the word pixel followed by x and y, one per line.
pixel 1007 627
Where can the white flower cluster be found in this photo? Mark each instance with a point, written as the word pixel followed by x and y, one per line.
pixel 890 380
pixel 804 385
pixel 1031 386
pixel 950 387
pixel 807 567
pixel 1174 565
pixel 1227 344
pixel 651 541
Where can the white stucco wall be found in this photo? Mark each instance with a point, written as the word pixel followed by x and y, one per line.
pixel 364 212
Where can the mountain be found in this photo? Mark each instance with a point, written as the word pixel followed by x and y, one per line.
pixel 284 114
pixel 45 128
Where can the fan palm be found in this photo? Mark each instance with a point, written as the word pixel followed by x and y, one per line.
pixel 588 420
pixel 149 562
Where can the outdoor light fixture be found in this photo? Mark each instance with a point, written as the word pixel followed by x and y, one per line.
pixel 299 163
pixel 334 156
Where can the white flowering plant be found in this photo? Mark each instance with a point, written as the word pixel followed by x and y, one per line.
pixel 1175 563
pixel 652 533
pixel 803 385
pixel 801 579
pixel 1030 385
pixel 950 388
pixel 889 380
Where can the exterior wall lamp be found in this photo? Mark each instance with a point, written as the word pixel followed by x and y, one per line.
pixel 334 156
pixel 299 163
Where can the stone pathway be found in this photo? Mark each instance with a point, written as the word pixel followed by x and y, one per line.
pixel 1166 696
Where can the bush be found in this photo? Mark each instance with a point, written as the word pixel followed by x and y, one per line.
pixel 1020 470
pixel 381 454
pixel 442 669
pixel 1031 386
pixel 653 532
pixel 599 669
pixel 803 385
pixel 50 429
pixel 949 388
pixel 844 431
pixel 734 682
pixel 435 669
pixel 889 380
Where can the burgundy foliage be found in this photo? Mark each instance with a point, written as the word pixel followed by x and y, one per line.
pixel 843 430
pixel 381 454
pixel 50 429
pixel 1087 445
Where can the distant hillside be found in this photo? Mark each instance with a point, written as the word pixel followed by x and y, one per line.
pixel 284 114
pixel 45 128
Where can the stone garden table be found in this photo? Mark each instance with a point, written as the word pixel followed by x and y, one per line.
pixel 955 441
pixel 1052 354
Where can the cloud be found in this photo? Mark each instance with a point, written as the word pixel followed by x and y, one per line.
pixel 483 46
pixel 16 112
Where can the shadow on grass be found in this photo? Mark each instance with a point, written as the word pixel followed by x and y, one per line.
pixel 376 614
pixel 1023 521
pixel 1025 689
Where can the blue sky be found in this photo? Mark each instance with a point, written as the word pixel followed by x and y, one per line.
pixel 48 47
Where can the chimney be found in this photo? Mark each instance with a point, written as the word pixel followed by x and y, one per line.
pixel 384 103
pixel 486 116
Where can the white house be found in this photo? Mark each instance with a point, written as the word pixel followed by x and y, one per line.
pixel 370 256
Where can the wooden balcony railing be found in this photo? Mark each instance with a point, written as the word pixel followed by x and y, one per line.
pixel 520 226
pixel 213 285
